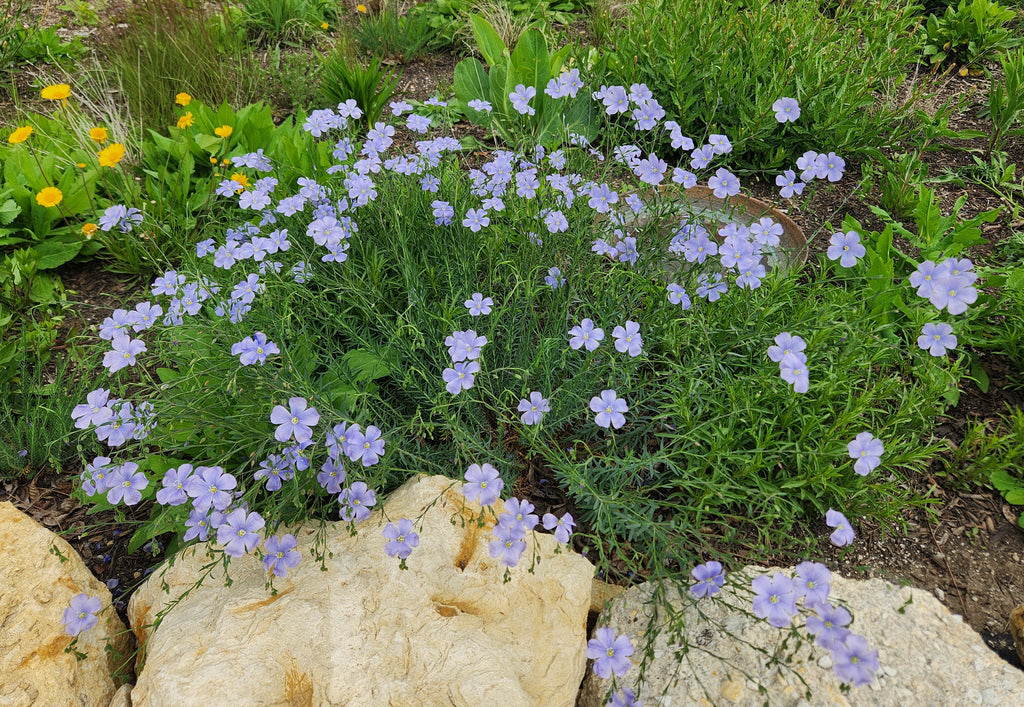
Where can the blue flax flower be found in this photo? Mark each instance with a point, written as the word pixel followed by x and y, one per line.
pixel 562 526
pixel 812 583
pixel 81 614
pixel 843 534
pixel 254 349
pixel 367 447
pixel 710 578
pixel 846 248
pixel 478 304
pixel 239 534
pixel 609 408
pixel 94 411
pixel 774 599
pixel 627 698
pixel 280 554
pixel 461 377
pixel 483 485
pixel 296 421
pixel 585 335
pixel 173 492
pixel 125 483
pixel 520 99
pixel 356 501
pixel 209 487
pixel 554 278
pixel 610 653
pixel 401 538
pixel 828 625
pixel 534 408
pixel 936 339
pixel 628 339
pixel 853 662
pixel 507 546
pixel 866 451
pixel 786 110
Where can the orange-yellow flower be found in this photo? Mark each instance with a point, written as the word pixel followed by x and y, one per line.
pixel 88 229
pixel 111 155
pixel 183 99
pixel 240 179
pixel 361 8
pixel 324 25
pixel 56 92
pixel 98 135
pixel 50 196
pixel 223 131
pixel 20 135
pixel 186 121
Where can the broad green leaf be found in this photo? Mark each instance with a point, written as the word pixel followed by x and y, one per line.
pixel 365 365
pixel 491 47
pixel 54 253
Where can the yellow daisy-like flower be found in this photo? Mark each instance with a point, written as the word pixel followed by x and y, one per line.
pixel 80 165
pixel 88 229
pixel 240 179
pixel 223 131
pixel 20 135
pixel 56 92
pixel 324 25
pixel 183 99
pixel 98 135
pixel 50 196
pixel 110 156
pixel 186 121
pixel 213 160
pixel 361 8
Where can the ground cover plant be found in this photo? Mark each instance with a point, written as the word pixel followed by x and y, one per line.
pixel 719 66
pixel 373 314
pixel 551 308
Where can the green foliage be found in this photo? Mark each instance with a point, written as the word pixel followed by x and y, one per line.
pixel 969 34
pixel 994 457
pixel 370 86
pixel 392 34
pixel 449 19
pixel 270 22
pixel 168 48
pixel 528 64
pixel 1006 100
pixel 86 12
pixel 36 427
pixel 714 438
pixel 717 67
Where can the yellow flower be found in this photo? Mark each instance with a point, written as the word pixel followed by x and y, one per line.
pixel 324 25
pixel 80 165
pixel 88 230
pixel 186 121
pixel 213 160
pixel 963 71
pixel 50 196
pixel 20 135
pixel 110 156
pixel 98 135
pixel 183 99
pixel 240 179
pixel 223 131
pixel 361 8
pixel 56 92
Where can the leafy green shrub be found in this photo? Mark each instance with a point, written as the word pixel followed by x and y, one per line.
pixel 169 48
pixel 1006 100
pixel 270 22
pixel 548 120
pixel 449 19
pixel 714 437
pixel 719 66
pixel 969 34
pixel 392 34
pixel 369 86
pixel 35 417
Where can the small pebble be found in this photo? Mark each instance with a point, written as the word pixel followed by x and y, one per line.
pixel 939 594
pixel 824 662
pixel 974 696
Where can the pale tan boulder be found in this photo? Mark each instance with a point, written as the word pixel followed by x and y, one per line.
pixel 446 631
pixel 35 588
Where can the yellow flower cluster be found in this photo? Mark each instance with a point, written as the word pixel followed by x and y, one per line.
pixel 223 131
pixel 183 99
pixel 186 121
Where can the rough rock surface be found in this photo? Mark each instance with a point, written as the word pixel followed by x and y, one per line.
pixel 1017 630
pixel 446 631
pixel 928 656
pixel 35 588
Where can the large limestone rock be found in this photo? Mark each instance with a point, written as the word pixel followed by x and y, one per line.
pixel 928 657
pixel 35 588
pixel 446 631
